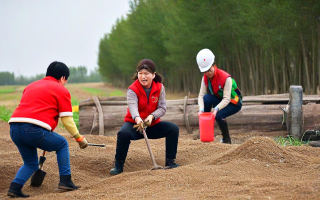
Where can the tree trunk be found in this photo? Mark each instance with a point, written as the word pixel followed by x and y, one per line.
pixel 274 73
pixel 318 26
pixel 305 59
pixel 239 62
pixel 314 84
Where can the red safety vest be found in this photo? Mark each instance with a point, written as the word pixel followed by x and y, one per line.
pixel 145 107
pixel 217 84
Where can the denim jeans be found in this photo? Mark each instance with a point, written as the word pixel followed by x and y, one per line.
pixel 211 100
pixel 28 137
pixel 162 129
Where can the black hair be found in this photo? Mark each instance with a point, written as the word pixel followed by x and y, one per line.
pixel 150 66
pixel 57 70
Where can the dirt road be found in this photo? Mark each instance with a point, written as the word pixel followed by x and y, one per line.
pixel 255 168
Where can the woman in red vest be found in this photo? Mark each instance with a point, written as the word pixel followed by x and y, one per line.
pixel 218 90
pixel 146 104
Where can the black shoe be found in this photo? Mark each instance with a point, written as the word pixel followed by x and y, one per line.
pixel 66 183
pixel 118 167
pixel 171 163
pixel 226 141
pixel 15 191
pixel 223 125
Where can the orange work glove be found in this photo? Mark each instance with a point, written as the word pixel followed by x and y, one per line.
pixel 83 143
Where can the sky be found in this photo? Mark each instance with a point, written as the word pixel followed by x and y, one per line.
pixel 34 33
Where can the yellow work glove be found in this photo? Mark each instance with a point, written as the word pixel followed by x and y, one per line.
pixel 83 143
pixel 148 120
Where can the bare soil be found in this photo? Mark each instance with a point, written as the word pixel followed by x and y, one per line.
pixel 253 168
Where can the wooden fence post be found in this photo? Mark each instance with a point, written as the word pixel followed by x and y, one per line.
pixel 101 122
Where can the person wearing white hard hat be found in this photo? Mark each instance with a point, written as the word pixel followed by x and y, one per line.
pixel 218 90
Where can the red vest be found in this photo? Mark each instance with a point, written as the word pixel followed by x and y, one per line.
pixel 218 81
pixel 145 107
pixel 42 103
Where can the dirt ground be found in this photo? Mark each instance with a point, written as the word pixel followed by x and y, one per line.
pixel 253 168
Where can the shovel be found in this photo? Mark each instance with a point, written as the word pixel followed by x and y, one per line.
pixel 96 145
pixel 155 166
pixel 38 176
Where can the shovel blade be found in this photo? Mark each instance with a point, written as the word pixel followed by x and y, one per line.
pixel 37 178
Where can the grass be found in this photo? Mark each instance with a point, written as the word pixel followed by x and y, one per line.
pixel 5 113
pixel 117 93
pixel 6 90
pixel 288 141
pixel 75 102
pixel 94 91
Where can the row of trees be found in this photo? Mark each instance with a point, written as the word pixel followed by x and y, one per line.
pixel 265 45
pixel 77 75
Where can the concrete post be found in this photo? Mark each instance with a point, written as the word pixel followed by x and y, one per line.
pixel 295 113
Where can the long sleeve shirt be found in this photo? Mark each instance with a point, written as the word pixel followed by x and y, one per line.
pixel 132 100
pixel 226 94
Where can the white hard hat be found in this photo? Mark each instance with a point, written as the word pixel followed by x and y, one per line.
pixel 205 59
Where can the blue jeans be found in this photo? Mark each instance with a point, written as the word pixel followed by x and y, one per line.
pixel 211 100
pixel 28 137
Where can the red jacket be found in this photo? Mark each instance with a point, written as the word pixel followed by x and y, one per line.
pixel 218 81
pixel 145 107
pixel 42 103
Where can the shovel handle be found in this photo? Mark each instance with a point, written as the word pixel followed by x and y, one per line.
pixel 96 145
pixel 149 148
pixel 41 163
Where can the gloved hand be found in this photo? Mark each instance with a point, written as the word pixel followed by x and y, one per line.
pixel 148 120
pixel 214 112
pixel 83 143
pixel 139 127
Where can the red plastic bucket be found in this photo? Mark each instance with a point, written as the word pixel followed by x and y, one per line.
pixel 206 126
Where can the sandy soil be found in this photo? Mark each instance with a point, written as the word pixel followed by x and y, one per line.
pixel 254 168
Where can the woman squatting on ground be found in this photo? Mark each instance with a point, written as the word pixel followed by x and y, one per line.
pixel 32 124
pixel 146 104
pixel 218 90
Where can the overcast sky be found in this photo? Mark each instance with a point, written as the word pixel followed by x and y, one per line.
pixel 33 33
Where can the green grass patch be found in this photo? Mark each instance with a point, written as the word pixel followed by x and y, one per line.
pixel 288 141
pixel 74 101
pixel 76 119
pixel 117 93
pixel 7 90
pixel 93 91
pixel 5 114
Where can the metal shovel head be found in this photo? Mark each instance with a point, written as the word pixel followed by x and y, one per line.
pixel 156 167
pixel 37 178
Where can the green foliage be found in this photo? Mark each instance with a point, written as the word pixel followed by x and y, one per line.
pixel 5 114
pixel 77 75
pixel 265 45
pixel 6 78
pixel 288 141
